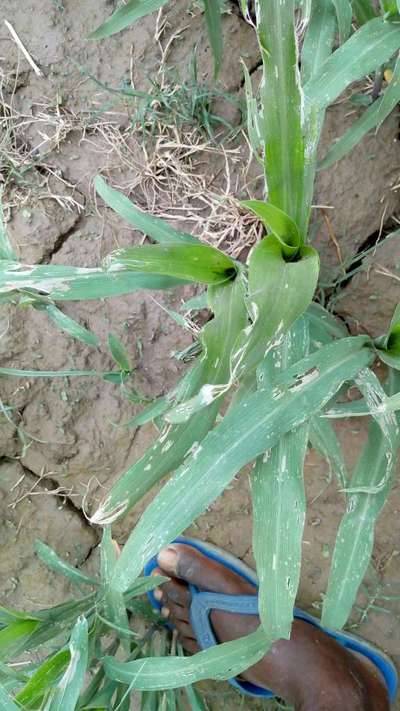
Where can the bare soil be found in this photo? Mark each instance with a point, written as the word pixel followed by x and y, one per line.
pixel 71 443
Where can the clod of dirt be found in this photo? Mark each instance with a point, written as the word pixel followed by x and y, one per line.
pixel 370 299
pixel 25 582
pixel 38 229
pixel 360 188
pixel 8 434
pixel 78 424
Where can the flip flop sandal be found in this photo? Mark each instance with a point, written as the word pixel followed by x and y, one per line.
pixel 204 602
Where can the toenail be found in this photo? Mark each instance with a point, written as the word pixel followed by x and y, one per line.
pixel 164 612
pixel 158 593
pixel 168 558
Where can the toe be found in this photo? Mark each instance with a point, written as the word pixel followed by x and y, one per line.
pixel 168 559
pixel 184 629
pixel 178 592
pixel 187 563
pixel 189 645
pixel 175 591
pixel 158 592
pixel 183 562
pixel 177 612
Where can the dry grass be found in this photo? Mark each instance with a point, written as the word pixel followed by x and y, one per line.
pixel 28 145
pixel 185 179
pixel 179 174
pixel 39 488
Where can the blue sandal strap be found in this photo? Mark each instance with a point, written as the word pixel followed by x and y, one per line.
pixel 201 605
pixel 207 601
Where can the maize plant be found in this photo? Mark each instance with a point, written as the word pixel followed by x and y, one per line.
pixel 271 372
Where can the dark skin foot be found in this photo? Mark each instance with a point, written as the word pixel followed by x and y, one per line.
pixel 310 671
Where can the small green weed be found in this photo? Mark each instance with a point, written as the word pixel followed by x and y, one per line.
pixel 174 103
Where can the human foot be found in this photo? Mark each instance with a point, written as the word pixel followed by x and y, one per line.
pixel 311 670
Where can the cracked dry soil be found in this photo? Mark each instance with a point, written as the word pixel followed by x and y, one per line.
pixel 72 427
